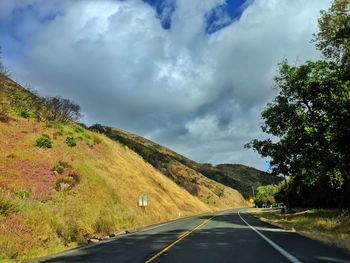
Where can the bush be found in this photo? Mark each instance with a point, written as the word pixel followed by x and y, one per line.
pixel 25 114
pixel 71 142
pixel 44 142
pixel 103 225
pixel 58 168
pixel 8 204
pixel 68 230
pixel 64 164
pixel 79 130
pixel 4 108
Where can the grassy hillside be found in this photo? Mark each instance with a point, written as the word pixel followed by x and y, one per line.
pixel 247 177
pixel 181 169
pixel 176 167
pixel 61 184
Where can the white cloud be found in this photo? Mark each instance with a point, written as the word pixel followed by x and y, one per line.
pixel 200 94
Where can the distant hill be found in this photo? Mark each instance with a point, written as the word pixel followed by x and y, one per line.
pixel 61 184
pixel 247 177
pixel 180 169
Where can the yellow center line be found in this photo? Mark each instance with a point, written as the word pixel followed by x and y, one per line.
pixel 181 237
pixel 183 234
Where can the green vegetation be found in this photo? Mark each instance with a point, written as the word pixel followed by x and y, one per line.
pixel 326 225
pixel 246 177
pixel 266 195
pixel 71 142
pixel 25 114
pixel 58 168
pixel 44 142
pixel 311 118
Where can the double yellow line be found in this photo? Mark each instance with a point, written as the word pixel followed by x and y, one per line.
pixel 180 237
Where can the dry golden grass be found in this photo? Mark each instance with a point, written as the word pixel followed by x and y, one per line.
pixel 94 193
pixel 180 170
pixel 41 220
pixel 214 194
pixel 105 200
pixel 326 225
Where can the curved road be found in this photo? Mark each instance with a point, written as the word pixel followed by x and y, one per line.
pixel 230 236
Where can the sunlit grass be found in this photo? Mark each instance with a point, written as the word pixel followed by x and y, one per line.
pixel 327 225
pixel 56 198
pixel 111 177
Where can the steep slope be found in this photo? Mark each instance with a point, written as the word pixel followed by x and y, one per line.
pixel 247 177
pixel 54 198
pixel 180 169
pixel 177 168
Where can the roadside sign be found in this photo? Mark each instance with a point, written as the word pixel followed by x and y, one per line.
pixel 143 200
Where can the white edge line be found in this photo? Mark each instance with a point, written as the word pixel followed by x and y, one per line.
pixel 273 244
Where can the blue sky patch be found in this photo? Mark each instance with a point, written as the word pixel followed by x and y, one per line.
pixel 164 9
pixel 224 15
pixel 216 19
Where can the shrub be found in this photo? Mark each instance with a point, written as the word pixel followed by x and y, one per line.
pixel 23 193
pixel 58 168
pixel 103 225
pixel 79 130
pixel 70 232
pixel 8 204
pixel 4 108
pixel 25 114
pixel 71 142
pixel 64 164
pixel 180 181
pixel 44 142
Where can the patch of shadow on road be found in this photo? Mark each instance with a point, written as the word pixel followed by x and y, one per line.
pixel 223 238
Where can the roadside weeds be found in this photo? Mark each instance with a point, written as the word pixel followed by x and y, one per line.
pixel 329 226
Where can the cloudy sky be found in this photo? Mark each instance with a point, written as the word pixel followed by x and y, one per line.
pixel 190 74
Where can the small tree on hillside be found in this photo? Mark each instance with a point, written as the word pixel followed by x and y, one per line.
pixel 3 70
pixel 62 109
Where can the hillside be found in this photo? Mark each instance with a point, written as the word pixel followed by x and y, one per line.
pixel 181 169
pixel 247 177
pixel 61 184
pixel 176 167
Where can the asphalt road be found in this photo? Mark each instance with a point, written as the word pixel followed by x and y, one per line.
pixel 230 236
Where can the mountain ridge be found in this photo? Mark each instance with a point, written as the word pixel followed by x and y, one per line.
pixel 236 176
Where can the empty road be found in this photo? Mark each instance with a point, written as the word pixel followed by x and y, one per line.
pixel 231 236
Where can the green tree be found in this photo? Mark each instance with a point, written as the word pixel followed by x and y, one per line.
pixel 266 195
pixel 333 37
pixel 309 120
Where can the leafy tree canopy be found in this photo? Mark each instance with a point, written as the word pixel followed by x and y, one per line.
pixel 309 120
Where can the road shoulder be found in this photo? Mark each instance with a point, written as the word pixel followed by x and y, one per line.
pixel 327 226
